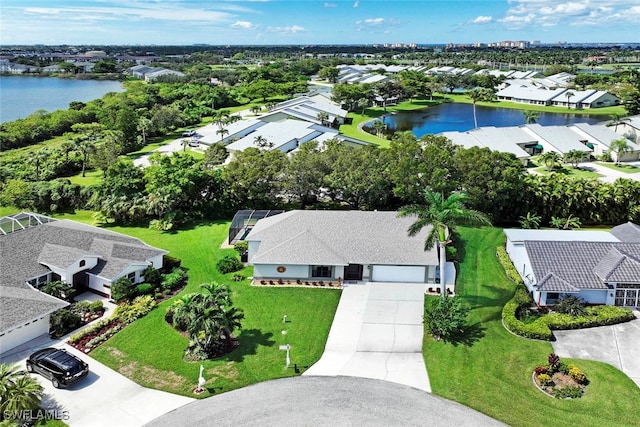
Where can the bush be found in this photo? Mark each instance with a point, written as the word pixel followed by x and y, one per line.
pixel 169 263
pixel 508 266
pixel 96 307
pixel 568 392
pixel 144 289
pixel 241 247
pixel 64 320
pixel 577 374
pixel 545 380
pixel 81 307
pixel 237 277
pixel 129 312
pixel 122 289
pixel 537 329
pixel 177 278
pixel 541 370
pixel 229 264
pixel 445 317
pixel 600 315
pixel 570 305
pixel 152 276
pixel 452 253
pixel 77 337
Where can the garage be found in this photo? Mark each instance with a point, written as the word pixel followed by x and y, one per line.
pixel 398 273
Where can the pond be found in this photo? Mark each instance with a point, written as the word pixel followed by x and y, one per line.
pixel 459 117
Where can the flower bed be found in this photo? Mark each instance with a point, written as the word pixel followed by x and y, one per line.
pixel 300 283
pixel 559 380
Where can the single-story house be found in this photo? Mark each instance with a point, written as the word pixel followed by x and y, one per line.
pixel 150 73
pixel 511 139
pixel 629 127
pixel 599 267
pixel 560 139
pixel 599 137
pixel 537 94
pixel 342 245
pixel 36 250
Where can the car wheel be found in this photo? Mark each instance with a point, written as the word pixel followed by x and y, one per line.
pixel 55 383
pixel 29 367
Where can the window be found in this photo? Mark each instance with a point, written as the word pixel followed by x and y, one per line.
pixel 321 271
pixel 83 263
pixel 132 276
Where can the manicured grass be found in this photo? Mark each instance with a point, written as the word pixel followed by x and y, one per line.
pixel 150 351
pixel 569 171
pixel 92 177
pixel 626 168
pixel 489 369
pixel 604 111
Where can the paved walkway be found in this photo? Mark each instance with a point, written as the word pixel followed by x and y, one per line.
pixel 325 401
pixel 377 333
pixel 617 345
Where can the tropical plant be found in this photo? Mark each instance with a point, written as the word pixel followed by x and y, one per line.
pixel 445 318
pixel 478 94
pixel 530 116
pixel 530 221
pixel 229 264
pixel 551 159
pixel 18 391
pixel 363 103
pixel 568 94
pixel 571 305
pixel 619 146
pixel 59 290
pixel 554 362
pixel 222 132
pixel 575 157
pixel 442 214
pixel 185 144
pixel 323 117
pixel 617 119
pixel 569 223
pixel 379 126
pixel 262 142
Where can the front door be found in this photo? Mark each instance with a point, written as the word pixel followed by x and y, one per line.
pixel 353 272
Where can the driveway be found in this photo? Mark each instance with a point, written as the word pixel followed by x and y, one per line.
pixel 377 333
pixel 617 345
pixel 325 401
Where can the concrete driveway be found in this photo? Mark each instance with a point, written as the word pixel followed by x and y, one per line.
pixel 104 398
pixel 618 345
pixel 377 333
pixel 325 401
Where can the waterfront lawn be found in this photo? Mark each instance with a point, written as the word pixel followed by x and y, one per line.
pixel 489 369
pixel 604 111
pixel 623 167
pixel 150 351
pixel 569 171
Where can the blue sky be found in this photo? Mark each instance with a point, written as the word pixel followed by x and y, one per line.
pixel 178 22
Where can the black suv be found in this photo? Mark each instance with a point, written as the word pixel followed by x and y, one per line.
pixel 60 366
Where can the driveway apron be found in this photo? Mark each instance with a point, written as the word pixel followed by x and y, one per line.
pixel 377 333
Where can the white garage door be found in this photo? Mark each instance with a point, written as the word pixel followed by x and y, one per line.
pixel 398 273
pixel 21 335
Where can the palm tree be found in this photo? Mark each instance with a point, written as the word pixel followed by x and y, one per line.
pixel 575 157
pixel 185 144
pixel 379 126
pixel 363 103
pixel 222 132
pixel 85 147
pixel 475 95
pixel 442 215
pixel 38 158
pixel 144 125
pixel 323 116
pixel 262 142
pixel 617 119
pixel 551 159
pixel 18 390
pixel 255 109
pixel 568 94
pixel 619 146
pixel 58 289
pixel 530 116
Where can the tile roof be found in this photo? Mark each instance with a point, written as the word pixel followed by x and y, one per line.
pixel 339 238
pixel 627 232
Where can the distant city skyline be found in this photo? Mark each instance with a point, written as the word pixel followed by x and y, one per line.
pixel 272 22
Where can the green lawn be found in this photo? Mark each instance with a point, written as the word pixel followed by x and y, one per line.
pixel 150 352
pixel 92 177
pixel 489 369
pixel 569 171
pixel 626 168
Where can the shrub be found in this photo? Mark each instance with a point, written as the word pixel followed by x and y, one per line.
pixel 568 392
pixel 545 380
pixel 152 276
pixel 452 253
pixel 508 266
pixel 177 278
pixel 577 374
pixel 541 370
pixel 237 277
pixel 170 262
pixel 594 316
pixel 554 362
pixel 90 330
pixel 122 289
pixel 445 317
pixel 570 305
pixel 144 289
pixel 229 264
pixel 158 295
pixel 537 329
pixel 63 321
pixel 96 307
pixel 241 247
pixel 129 312
pixel 81 307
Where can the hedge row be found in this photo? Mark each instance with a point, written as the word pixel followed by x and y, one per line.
pixel 508 266
pixel 535 330
pixel 540 329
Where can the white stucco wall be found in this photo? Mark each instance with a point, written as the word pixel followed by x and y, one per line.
pixel 157 261
pixel 99 284
pixel 12 339
pixel 291 271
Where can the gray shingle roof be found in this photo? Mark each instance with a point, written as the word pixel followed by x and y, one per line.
pixel 339 238
pixel 58 243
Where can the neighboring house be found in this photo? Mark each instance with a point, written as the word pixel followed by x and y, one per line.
pixel 597 266
pixel 600 137
pixel 629 127
pixel 342 245
pixel 308 107
pixel 36 250
pixel 150 73
pixel 512 140
pixel 538 94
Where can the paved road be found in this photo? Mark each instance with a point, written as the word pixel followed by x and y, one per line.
pixel 325 401
pixel 377 333
pixel 618 345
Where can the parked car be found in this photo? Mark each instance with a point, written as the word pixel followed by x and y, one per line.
pixel 189 132
pixel 57 365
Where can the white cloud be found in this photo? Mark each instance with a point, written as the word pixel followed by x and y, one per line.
pixel 330 4
pixel 356 4
pixel 374 21
pixel 482 20
pixel 244 25
pixel 294 29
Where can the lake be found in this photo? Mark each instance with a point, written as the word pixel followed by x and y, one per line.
pixel 20 96
pixel 459 117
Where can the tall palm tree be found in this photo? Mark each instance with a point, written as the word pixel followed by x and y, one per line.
pixel 323 116
pixel 442 214
pixel 38 158
pixel 85 147
pixel 617 119
pixel 222 132
pixel 475 95
pixel 530 116
pixel 18 390
pixel 379 126
pixel 568 94
pixel 363 103
pixel 619 146
pixel 551 159
pixel 185 144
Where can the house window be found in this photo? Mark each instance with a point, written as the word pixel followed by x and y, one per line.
pixel 321 271
pixel 83 263
pixel 552 297
pixel 132 276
